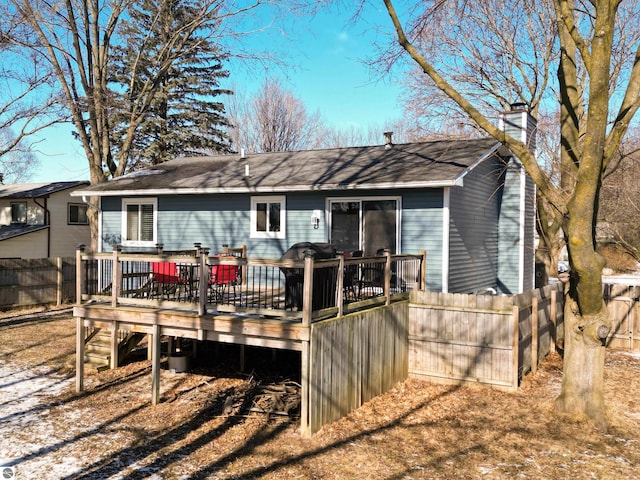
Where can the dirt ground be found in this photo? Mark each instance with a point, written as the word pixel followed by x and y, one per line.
pixel 204 427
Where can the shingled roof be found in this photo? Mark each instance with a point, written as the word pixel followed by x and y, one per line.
pixel 411 165
pixel 36 190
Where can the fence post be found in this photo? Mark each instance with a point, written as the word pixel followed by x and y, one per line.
pixel 80 280
pixel 515 346
pixel 553 312
pixel 307 288
pixel 59 281
pixel 116 276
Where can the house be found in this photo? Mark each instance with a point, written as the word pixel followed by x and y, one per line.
pixel 42 220
pixel 467 203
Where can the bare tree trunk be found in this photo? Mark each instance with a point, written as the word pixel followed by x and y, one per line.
pixel 583 365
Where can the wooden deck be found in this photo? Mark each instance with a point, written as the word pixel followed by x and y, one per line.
pixel 352 336
pixel 227 328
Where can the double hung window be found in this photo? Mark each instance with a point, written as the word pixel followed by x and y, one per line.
pixel 139 222
pixel 268 218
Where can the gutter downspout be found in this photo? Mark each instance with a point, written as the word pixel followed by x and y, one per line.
pixel 47 221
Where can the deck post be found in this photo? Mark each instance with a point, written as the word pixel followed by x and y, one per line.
pixel 155 365
pixel 307 292
pixel 79 354
pixel 79 277
pixel 116 276
pixel 340 285
pixel 113 359
pixel 423 270
pixel 204 282
pixel 387 277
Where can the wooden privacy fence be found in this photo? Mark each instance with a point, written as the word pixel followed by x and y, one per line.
pixel 482 338
pixel 352 359
pixel 41 281
pixel 623 301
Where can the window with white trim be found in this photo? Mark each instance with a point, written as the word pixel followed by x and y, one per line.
pixel 268 217
pixel 139 222
pixel 77 214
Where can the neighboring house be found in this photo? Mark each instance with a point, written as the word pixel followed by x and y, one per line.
pixel 468 203
pixel 41 220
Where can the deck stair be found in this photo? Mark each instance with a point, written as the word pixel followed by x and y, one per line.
pixel 98 347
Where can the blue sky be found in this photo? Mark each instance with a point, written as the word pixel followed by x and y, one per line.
pixel 328 74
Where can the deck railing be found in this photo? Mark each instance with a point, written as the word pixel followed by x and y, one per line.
pixel 304 290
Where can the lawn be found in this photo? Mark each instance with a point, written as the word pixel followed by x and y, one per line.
pixel 204 427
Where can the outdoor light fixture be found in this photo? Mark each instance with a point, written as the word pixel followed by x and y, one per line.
pixel 315 219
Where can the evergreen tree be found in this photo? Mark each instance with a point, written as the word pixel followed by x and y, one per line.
pixel 186 116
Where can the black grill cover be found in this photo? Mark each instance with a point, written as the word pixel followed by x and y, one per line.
pixel 323 285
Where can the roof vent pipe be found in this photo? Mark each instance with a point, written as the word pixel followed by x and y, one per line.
pixel 242 153
pixel 388 143
pixel 246 170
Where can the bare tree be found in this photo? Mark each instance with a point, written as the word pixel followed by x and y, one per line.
pixel 16 164
pixel 29 102
pixel 592 125
pixel 274 120
pixel 620 198
pixel 76 38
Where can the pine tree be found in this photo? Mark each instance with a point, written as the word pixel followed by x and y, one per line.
pixel 186 116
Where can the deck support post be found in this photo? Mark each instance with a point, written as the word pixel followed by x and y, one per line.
pixel 113 359
pixel 155 365
pixel 79 354
pixel 305 393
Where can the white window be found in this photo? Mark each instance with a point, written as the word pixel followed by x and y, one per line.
pixel 77 214
pixel 139 222
pixel 268 217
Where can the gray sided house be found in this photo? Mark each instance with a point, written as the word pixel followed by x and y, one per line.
pixel 41 220
pixel 467 203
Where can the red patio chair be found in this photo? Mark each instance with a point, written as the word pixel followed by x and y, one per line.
pixel 167 279
pixel 223 277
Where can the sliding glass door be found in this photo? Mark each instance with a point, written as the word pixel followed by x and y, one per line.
pixel 369 225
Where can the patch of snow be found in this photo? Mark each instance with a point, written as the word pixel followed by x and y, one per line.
pixel 25 428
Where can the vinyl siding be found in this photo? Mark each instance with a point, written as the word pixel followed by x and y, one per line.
pixel 30 245
pixel 64 237
pixel 516 258
pixel 422 230
pixel 473 234
pixel 214 220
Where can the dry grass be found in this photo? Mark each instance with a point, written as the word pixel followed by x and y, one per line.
pixel 417 430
